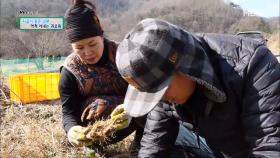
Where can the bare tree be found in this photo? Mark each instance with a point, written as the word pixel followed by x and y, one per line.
pixel 117 18
pixel 31 44
pixel 250 23
pixel 193 15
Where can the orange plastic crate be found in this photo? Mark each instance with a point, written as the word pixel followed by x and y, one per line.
pixel 28 88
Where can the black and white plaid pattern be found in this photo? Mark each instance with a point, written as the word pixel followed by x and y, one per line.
pixel 149 55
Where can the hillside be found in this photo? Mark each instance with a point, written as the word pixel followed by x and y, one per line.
pixel 193 15
pixel 117 18
pixel 274 43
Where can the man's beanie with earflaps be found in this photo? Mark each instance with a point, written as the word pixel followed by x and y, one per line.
pixel 81 21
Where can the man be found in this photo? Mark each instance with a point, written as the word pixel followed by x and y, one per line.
pixel 227 87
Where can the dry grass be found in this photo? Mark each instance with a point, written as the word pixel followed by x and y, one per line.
pixel 36 131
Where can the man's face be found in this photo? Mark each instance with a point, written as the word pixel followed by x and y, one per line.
pixel 180 89
pixel 90 50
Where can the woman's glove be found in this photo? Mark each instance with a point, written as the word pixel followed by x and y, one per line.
pixel 77 136
pixel 120 117
pixel 94 111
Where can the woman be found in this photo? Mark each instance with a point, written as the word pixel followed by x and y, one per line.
pixel 90 86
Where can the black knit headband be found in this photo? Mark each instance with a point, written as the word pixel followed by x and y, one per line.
pixel 82 22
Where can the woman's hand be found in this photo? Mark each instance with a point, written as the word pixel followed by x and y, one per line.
pixel 77 136
pixel 94 110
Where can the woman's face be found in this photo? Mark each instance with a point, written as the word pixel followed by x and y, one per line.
pixel 180 89
pixel 90 50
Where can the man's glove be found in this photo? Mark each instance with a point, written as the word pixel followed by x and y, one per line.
pixel 77 136
pixel 120 117
pixel 94 110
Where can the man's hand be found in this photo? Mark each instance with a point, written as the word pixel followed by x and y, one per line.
pixel 120 117
pixel 94 110
pixel 77 136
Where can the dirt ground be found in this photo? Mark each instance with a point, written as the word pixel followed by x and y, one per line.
pixel 35 131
